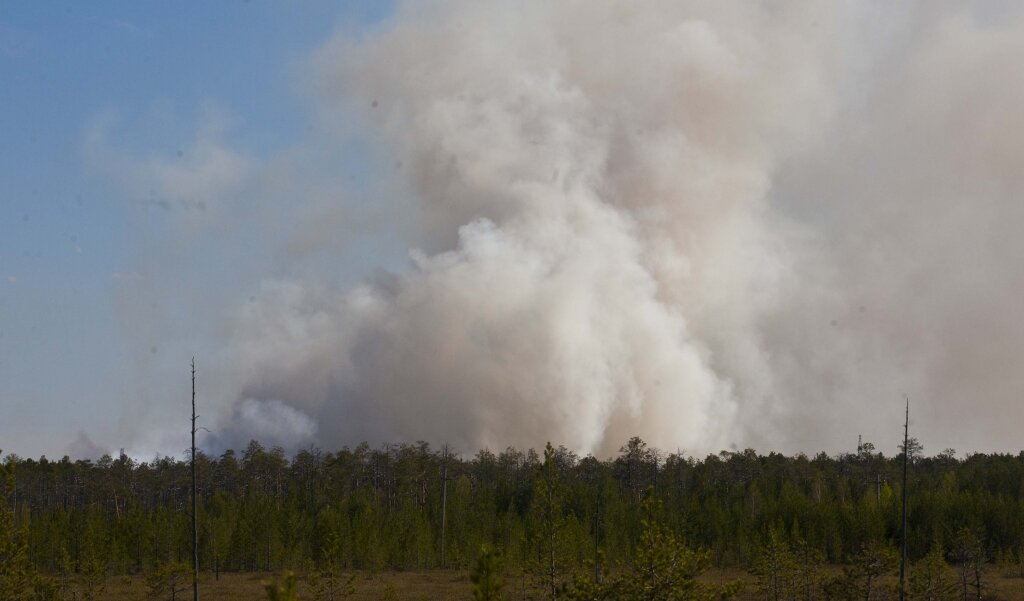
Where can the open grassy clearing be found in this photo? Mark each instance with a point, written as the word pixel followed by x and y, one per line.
pixel 433 585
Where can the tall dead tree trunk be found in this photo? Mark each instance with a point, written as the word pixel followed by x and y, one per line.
pixel 906 459
pixel 444 499
pixel 195 529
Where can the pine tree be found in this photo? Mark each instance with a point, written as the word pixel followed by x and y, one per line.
pixel 776 569
pixel 663 569
pixel 328 583
pixel 861 580
pixel 969 553
pixel 93 558
pixel 809 578
pixel 284 590
pixel 167 581
pixel 931 578
pixel 19 581
pixel 486 576
pixel 15 570
pixel 547 512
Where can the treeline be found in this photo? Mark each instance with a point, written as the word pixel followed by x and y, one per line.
pixel 414 507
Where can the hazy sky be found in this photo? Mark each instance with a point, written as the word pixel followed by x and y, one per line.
pixel 714 225
pixel 70 242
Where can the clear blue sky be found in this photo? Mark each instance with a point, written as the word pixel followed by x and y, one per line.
pixel 65 234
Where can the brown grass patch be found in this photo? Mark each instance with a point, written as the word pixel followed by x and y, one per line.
pixel 434 585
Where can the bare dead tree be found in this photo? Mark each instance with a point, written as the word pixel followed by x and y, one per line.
pixel 444 499
pixel 906 459
pixel 195 529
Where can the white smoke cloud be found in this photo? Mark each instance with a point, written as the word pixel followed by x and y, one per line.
pixel 600 177
pixel 271 422
pixel 703 223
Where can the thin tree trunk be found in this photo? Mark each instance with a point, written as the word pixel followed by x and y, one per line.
pixel 906 459
pixel 195 529
pixel 977 577
pixel 444 499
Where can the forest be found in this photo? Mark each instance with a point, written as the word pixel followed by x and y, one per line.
pixel 569 521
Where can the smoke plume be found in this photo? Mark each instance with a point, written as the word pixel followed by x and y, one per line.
pixel 707 224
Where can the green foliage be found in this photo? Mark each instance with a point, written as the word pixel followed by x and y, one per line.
pixel 45 589
pixel 92 569
pixel 776 569
pixel 663 569
pixel 486 575
pixel 329 583
pixel 283 589
pixel 810 579
pixel 19 580
pixel 931 579
pixel 861 580
pixel 390 593
pixel 786 572
pixel 168 581
pixel 552 551
pixel 563 519
pixel 15 569
pixel 969 555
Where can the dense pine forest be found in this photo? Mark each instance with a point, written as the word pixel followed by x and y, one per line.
pixel 412 507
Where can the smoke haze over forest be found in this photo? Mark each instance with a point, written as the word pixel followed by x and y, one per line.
pixel 712 225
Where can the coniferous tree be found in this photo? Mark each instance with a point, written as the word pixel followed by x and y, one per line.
pixel 486 576
pixel 328 583
pixel 663 569
pixel 15 569
pixel 810 579
pixel 969 554
pixel 776 570
pixel 384 505
pixel 283 589
pixel 19 580
pixel 167 581
pixel 550 548
pixel 931 578
pixel 862 579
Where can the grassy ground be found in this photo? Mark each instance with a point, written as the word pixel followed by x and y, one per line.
pixel 435 585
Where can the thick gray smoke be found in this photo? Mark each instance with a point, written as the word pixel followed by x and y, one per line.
pixel 708 224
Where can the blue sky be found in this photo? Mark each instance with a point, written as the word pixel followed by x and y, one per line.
pixel 151 70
